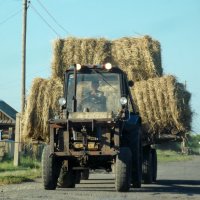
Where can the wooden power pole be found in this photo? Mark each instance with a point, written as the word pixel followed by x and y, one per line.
pixel 24 23
pixel 23 94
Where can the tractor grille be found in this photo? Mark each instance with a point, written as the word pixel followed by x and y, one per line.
pixel 79 136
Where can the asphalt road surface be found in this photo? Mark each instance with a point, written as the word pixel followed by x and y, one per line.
pixel 176 180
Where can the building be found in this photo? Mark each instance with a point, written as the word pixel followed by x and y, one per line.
pixel 7 121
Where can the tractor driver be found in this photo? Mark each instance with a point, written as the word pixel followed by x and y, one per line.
pixel 95 92
pixel 95 100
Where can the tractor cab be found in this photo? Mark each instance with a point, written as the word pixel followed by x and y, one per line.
pixel 96 89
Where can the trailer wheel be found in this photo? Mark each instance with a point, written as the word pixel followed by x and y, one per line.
pixel 67 178
pixel 85 174
pixel 50 169
pixel 123 170
pixel 135 145
pixel 154 165
pixel 147 170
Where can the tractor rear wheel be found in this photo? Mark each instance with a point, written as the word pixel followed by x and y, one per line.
pixel 147 168
pixel 154 165
pixel 136 148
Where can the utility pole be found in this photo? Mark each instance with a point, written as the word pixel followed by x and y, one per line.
pixel 23 94
pixel 24 55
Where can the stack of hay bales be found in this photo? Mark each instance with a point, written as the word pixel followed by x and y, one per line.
pixel 42 105
pixel 140 58
pixel 162 102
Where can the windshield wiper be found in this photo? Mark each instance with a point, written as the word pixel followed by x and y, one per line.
pixel 103 78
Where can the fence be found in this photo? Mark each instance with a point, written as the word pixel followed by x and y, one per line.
pixel 7 148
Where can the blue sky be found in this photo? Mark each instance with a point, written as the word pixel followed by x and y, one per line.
pixel 175 23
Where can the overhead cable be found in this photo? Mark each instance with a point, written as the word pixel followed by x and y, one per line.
pixel 53 18
pixel 44 20
pixel 10 17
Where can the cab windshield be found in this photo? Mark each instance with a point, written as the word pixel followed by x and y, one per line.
pixel 95 92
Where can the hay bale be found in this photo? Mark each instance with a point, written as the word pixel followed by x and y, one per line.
pixel 57 64
pixel 42 104
pixel 76 50
pixel 163 104
pixel 140 58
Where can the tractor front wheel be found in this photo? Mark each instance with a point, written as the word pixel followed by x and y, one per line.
pixel 50 169
pixel 123 170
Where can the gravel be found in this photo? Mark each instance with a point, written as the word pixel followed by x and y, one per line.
pixel 176 180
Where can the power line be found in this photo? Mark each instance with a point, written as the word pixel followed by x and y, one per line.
pixel 53 18
pixel 10 17
pixel 43 19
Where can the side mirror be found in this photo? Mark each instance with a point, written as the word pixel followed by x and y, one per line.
pixel 130 83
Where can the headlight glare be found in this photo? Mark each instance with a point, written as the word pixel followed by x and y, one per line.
pixel 123 100
pixel 108 66
pixel 62 101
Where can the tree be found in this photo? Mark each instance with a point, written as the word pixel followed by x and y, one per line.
pixel 193 142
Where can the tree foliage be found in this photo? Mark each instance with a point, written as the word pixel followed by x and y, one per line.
pixel 193 141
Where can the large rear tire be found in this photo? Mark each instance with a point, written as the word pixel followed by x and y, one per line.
pixel 50 169
pixel 136 148
pixel 154 165
pixel 147 169
pixel 123 170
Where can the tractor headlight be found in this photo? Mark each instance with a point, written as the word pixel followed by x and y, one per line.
pixel 123 100
pixel 62 101
pixel 78 67
pixel 108 66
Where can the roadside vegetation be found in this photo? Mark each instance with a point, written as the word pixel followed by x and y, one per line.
pixel 28 170
pixel 172 151
pixel 170 156
pixel 193 143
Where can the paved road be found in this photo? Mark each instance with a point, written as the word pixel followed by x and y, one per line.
pixel 177 180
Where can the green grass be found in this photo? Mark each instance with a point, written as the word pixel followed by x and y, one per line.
pixel 28 170
pixel 170 156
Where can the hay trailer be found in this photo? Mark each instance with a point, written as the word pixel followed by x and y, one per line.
pixel 97 128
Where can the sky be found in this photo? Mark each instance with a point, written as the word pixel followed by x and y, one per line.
pixel 174 23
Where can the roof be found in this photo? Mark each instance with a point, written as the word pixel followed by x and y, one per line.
pixel 7 110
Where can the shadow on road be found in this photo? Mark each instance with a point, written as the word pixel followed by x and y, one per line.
pixel 187 187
